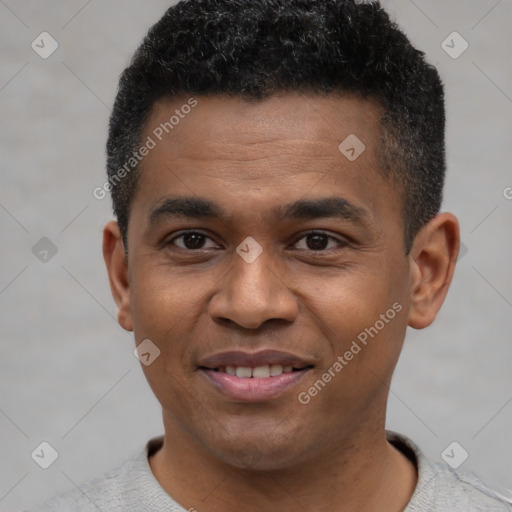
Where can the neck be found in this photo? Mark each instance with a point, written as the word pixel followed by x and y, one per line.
pixel 365 473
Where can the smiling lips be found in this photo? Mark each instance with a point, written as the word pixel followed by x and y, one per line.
pixel 254 377
pixel 260 372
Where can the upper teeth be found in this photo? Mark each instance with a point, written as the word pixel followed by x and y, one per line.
pixel 260 372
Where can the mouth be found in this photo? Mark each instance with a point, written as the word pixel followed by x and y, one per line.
pixel 264 371
pixel 252 377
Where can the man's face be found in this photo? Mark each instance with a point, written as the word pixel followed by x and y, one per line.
pixel 268 170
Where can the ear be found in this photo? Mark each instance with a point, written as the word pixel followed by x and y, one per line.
pixel 117 268
pixel 432 257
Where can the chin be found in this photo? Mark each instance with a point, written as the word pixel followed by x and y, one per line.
pixel 254 460
pixel 260 453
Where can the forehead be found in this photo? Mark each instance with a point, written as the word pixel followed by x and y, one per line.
pixel 326 120
pixel 254 152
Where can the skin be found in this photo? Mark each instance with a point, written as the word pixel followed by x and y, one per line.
pixel 249 157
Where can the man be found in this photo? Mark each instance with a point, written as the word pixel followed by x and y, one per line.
pixel 276 169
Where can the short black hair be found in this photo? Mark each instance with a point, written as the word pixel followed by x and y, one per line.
pixel 255 48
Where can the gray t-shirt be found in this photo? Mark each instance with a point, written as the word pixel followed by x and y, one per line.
pixel 133 488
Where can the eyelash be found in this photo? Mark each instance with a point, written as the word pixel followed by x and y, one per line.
pixel 341 243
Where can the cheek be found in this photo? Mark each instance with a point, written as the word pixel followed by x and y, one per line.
pixel 162 301
pixel 163 312
pixel 347 300
pixel 362 316
pixel 168 309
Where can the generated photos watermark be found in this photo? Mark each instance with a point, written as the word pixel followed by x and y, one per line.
pixel 355 348
pixel 151 142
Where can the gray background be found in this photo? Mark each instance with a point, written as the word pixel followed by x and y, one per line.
pixel 67 372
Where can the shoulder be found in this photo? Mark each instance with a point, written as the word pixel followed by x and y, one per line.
pixel 441 488
pixel 459 490
pixel 129 488
pixel 99 494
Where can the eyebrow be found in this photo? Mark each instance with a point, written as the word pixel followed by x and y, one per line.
pixel 310 209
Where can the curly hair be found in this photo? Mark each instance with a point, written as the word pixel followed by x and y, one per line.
pixel 255 48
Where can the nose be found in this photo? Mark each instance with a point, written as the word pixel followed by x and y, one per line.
pixel 252 293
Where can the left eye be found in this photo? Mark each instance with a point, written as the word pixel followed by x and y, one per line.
pixel 319 241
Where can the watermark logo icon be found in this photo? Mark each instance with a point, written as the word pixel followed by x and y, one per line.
pixel 352 147
pixel 44 45
pixel 44 455
pixel 44 250
pixel 463 250
pixel 454 45
pixel 454 455
pixel 249 249
pixel 146 352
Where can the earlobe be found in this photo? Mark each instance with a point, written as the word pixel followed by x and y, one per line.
pixel 433 257
pixel 117 268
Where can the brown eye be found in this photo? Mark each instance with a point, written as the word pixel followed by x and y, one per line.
pixel 191 240
pixel 317 241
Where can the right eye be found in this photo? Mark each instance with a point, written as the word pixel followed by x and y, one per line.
pixel 190 240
